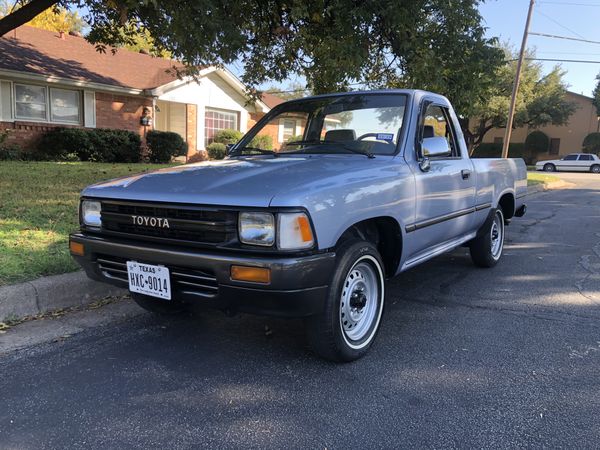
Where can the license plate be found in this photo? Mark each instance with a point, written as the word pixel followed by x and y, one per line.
pixel 148 279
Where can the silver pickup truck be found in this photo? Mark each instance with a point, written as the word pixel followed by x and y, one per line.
pixel 360 187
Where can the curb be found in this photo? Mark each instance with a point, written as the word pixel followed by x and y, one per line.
pixel 50 293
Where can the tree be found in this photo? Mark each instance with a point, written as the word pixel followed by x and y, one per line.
pixel 596 95
pixel 333 44
pixel 290 92
pixel 541 100
pixel 56 18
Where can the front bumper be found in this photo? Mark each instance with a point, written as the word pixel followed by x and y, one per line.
pixel 298 287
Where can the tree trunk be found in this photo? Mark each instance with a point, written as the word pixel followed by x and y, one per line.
pixel 24 14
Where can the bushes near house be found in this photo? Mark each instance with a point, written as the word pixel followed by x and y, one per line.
pixel 97 145
pixel 164 146
pixel 262 142
pixel 8 151
pixel 591 143
pixel 537 142
pixel 490 150
pixel 228 136
pixel 216 150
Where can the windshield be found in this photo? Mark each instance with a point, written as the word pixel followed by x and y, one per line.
pixel 368 124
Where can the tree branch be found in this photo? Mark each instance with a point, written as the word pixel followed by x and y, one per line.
pixel 24 14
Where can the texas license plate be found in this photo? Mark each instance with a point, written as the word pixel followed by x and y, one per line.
pixel 148 279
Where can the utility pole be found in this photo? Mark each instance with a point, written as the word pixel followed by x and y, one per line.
pixel 513 99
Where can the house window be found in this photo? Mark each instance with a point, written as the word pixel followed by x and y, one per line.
pixel 289 129
pixel 216 120
pixel 47 104
pixel 65 105
pixel 30 102
pixel 554 146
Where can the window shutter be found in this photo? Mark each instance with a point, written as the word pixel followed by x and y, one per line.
pixel 6 101
pixel 89 109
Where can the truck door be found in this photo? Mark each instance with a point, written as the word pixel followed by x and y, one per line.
pixel 445 189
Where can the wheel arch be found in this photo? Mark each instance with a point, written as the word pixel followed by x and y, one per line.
pixel 385 233
pixel 507 203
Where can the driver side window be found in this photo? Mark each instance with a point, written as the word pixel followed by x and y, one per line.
pixel 437 123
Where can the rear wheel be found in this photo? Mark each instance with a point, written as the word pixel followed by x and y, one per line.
pixel 595 168
pixel 549 168
pixel 347 327
pixel 157 305
pixel 486 249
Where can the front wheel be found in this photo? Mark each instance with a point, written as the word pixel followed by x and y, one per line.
pixel 486 249
pixel 549 168
pixel 347 327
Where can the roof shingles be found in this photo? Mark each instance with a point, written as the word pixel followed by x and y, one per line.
pixel 44 53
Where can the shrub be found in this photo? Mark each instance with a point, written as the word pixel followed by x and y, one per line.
pixel 490 150
pixel 99 145
pixel 591 143
pixel 8 152
pixel 537 142
pixel 262 142
pixel 216 150
pixel 228 136
pixel 199 156
pixel 165 145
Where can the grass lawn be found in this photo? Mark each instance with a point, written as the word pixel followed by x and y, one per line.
pixel 38 210
pixel 539 178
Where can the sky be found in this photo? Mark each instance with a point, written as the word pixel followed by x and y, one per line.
pixel 505 19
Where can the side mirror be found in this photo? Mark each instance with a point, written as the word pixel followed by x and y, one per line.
pixel 435 146
pixel 430 148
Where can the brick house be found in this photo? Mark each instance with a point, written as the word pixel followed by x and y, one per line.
pixel 50 79
pixel 564 139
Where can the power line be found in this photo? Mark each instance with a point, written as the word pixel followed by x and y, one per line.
pixel 571 4
pixel 564 60
pixel 554 36
pixel 560 24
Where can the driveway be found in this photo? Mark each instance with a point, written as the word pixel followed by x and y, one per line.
pixel 466 357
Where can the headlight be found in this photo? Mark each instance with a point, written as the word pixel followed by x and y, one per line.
pixel 90 213
pixel 294 232
pixel 257 228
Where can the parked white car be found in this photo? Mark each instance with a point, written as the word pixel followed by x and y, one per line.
pixel 575 162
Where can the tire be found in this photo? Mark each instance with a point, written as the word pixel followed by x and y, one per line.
pixel 158 306
pixel 349 323
pixel 549 168
pixel 595 168
pixel 486 249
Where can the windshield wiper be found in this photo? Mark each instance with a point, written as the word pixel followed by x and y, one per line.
pixel 366 153
pixel 238 151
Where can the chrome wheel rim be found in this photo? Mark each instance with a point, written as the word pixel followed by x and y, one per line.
pixel 497 235
pixel 548 168
pixel 359 302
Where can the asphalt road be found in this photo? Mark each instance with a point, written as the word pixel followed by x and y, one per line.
pixel 466 357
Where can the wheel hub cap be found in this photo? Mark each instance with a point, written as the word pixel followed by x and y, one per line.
pixel 359 301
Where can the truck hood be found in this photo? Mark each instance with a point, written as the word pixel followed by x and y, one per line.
pixel 250 181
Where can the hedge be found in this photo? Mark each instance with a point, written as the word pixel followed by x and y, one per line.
pixel 490 150
pixel 98 145
pixel 216 150
pixel 165 145
pixel 537 142
pixel 228 136
pixel 591 143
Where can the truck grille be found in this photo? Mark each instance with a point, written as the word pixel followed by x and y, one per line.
pixel 191 224
pixel 190 281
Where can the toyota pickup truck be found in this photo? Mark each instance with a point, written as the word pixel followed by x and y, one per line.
pixel 359 187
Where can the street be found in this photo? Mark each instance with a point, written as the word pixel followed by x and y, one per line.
pixel 466 357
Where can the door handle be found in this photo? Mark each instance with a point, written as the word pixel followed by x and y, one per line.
pixel 465 174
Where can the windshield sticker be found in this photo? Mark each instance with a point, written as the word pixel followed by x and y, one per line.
pixel 385 137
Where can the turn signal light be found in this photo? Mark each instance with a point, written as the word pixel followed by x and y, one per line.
pixel 76 248
pixel 252 274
